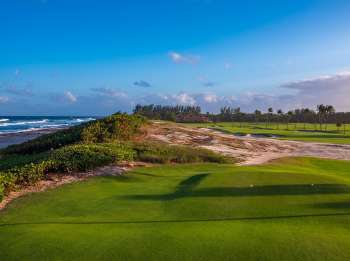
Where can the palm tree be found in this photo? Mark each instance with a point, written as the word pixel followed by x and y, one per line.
pixel 305 112
pixel 257 115
pixel 280 114
pixel 329 110
pixel 289 116
pixel 321 110
pixel 237 112
pixel 269 113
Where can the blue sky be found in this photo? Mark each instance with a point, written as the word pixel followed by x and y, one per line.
pixel 97 57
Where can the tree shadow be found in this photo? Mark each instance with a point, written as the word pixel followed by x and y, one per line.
pixel 186 189
pixel 334 205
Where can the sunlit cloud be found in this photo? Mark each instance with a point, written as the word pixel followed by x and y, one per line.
pixel 182 58
pixel 70 97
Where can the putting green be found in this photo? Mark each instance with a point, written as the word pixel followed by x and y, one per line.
pixel 292 209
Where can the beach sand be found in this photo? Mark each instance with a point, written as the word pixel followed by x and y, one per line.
pixel 7 139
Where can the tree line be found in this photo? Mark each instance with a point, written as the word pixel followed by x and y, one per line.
pixel 167 113
pixel 319 116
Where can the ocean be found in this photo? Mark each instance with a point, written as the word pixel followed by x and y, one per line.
pixel 19 124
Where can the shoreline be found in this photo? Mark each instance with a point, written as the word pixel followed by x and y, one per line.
pixel 7 139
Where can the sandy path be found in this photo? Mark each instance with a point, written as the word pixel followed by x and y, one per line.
pixel 248 150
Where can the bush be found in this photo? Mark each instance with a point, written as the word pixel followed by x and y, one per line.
pixel 163 153
pixel 84 157
pixel 115 127
pixel 79 157
pixel 25 175
pixel 15 160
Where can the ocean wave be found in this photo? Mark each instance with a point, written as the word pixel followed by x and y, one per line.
pixel 84 119
pixel 21 131
pixel 3 120
pixel 47 126
pixel 23 123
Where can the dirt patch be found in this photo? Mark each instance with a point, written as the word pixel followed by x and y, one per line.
pixel 247 150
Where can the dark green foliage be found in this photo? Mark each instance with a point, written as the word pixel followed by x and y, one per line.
pixel 84 157
pixel 24 175
pixel 162 153
pixel 115 127
pixel 80 157
pixel 16 160
pixel 167 113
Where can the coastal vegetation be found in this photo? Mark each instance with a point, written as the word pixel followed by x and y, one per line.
pixel 87 146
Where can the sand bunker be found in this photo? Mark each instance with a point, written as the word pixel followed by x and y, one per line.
pixel 248 150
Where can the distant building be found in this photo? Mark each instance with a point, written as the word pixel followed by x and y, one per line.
pixel 192 118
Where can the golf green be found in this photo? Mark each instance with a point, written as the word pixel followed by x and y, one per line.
pixel 291 209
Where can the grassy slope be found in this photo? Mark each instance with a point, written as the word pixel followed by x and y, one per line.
pixel 189 212
pixel 298 133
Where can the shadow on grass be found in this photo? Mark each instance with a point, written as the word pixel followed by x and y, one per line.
pixel 178 220
pixel 187 189
pixel 333 205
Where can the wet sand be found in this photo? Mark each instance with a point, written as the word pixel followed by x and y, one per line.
pixel 7 139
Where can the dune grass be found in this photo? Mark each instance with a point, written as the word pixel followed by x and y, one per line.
pixel 291 209
pixel 294 131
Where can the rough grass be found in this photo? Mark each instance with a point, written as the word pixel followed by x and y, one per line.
pixel 164 153
pixel 291 209
pixel 310 133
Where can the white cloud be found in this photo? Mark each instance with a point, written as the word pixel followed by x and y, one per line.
pixel 70 97
pixel 110 92
pixel 330 89
pixel 210 98
pixel 184 98
pixel 181 58
pixel 4 99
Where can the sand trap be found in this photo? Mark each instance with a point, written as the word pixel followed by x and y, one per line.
pixel 248 150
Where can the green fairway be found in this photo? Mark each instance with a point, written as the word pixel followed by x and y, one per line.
pixel 294 131
pixel 291 209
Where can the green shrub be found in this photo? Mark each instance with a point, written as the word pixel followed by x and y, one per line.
pixel 115 127
pixel 82 157
pixel 163 153
pixel 15 160
pixel 25 175
pixel 79 157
